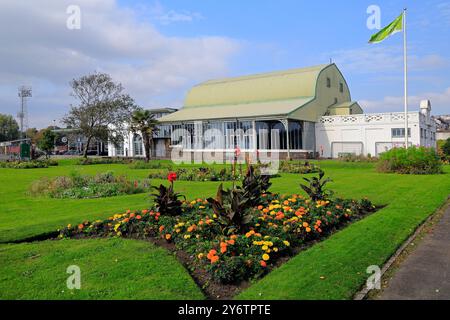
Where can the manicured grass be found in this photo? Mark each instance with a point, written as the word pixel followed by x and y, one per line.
pixel 110 269
pixel 23 216
pixel 336 268
pixel 341 260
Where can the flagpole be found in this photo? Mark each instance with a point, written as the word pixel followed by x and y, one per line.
pixel 405 64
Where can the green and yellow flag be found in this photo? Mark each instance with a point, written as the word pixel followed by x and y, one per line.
pixel 394 27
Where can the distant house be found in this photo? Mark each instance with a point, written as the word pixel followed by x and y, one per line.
pixel 443 127
pixel 132 144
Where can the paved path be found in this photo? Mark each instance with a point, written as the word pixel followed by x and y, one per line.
pixel 425 274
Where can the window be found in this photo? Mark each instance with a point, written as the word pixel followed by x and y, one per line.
pixel 119 149
pixel 335 100
pixel 341 87
pixel 400 132
pixel 328 83
pixel 138 145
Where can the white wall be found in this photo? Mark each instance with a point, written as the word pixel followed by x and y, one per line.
pixel 369 133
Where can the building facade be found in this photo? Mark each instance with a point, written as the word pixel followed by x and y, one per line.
pixel 299 113
pixel 372 134
pixel 132 144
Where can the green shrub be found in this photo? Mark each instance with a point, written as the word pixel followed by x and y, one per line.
pixel 414 160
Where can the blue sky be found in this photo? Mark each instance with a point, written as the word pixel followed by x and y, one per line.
pixel 285 34
pixel 159 49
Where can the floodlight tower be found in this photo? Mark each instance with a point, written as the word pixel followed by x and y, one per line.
pixel 24 93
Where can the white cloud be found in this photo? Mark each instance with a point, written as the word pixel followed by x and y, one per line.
pixel 440 102
pixel 38 49
pixel 386 58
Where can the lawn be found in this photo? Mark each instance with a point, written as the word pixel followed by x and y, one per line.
pixel 110 269
pixel 332 269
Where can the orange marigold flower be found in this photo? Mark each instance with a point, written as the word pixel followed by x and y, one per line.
pixel 223 249
pixel 230 241
pixel 80 226
pixel 308 229
pixel 260 207
pixel 138 217
pixel 145 211
pixel 168 236
pixel 132 215
pixel 263 263
pixel 233 237
pixel 214 259
pixel 161 228
pixel 305 224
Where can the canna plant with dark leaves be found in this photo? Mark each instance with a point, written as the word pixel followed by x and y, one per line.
pixel 232 208
pixel 167 201
pixel 254 185
pixel 316 187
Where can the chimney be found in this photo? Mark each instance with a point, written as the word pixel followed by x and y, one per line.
pixel 425 109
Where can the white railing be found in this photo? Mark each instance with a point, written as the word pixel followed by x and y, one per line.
pixel 370 118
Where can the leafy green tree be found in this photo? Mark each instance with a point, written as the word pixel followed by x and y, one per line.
pixel 446 147
pixel 47 142
pixel 9 129
pixel 144 122
pixel 103 108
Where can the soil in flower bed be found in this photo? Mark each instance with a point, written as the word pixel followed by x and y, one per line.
pixel 223 260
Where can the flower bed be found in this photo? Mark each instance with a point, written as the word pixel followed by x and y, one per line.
pixel 230 254
pixel 78 186
pixel 298 167
pixel 93 161
pixel 140 164
pixel 28 164
pixel 198 174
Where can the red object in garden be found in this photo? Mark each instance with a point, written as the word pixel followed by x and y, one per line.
pixel 237 151
pixel 172 177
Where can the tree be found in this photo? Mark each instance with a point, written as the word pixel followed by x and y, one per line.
pixel 103 109
pixel 446 147
pixel 34 134
pixel 9 129
pixel 47 142
pixel 144 121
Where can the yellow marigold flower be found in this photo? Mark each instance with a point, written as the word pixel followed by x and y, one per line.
pixel 187 236
pixel 265 247
pixel 286 243
pixel 177 230
pixel 265 257
pixel 275 249
pixel 201 207
pixel 200 255
pixel 215 216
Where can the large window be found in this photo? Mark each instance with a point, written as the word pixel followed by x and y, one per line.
pixel 400 132
pixel 138 145
pixel 272 135
pixel 120 149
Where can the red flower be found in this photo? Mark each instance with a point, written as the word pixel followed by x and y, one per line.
pixel 172 177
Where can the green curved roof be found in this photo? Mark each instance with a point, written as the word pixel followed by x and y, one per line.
pixel 261 95
pixel 283 85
